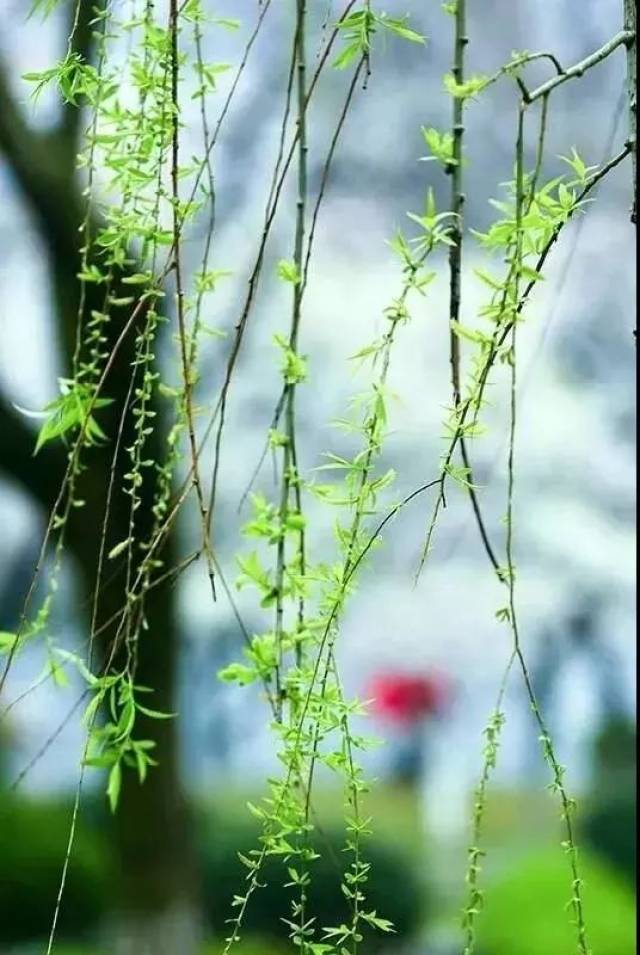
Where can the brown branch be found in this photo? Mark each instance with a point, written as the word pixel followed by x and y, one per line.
pixel 631 44
pixel 579 69
pixel 455 253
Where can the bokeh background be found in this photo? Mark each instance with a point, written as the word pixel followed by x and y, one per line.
pixel 575 512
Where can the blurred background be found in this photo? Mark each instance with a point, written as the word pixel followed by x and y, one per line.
pixel 430 656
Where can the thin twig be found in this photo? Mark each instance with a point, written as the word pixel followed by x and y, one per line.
pixel 624 38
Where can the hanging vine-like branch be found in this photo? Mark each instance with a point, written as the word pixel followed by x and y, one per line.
pixel 133 229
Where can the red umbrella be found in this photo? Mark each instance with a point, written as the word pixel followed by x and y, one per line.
pixel 406 699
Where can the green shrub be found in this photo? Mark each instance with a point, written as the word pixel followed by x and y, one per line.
pixel 525 912
pixel 393 889
pixel 609 830
pixel 247 946
pixel 33 840
pixel 614 752
pixel 609 824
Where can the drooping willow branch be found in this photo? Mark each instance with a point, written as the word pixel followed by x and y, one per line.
pixel 64 499
pixel 254 277
pixel 631 44
pixel 290 480
pixel 304 271
pixel 180 292
pixel 303 665
pixel 313 708
pixel 475 895
pixel 498 339
pixel 454 167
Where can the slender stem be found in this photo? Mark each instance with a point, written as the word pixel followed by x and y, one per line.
pixel 187 372
pixel 326 169
pixel 252 284
pixel 630 28
pixel 455 252
pixel 475 895
pixel 549 750
pixel 500 337
pixel 625 37
pixel 289 473
pixel 301 203
pixel 457 196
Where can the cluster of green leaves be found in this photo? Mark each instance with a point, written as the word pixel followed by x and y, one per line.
pixel 70 413
pixel 475 894
pixel 113 744
pixel 132 139
pixel 128 142
pixel 549 207
pixel 440 145
pixel 358 29
pixel 300 660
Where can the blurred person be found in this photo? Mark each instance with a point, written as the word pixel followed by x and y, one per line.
pixel 408 704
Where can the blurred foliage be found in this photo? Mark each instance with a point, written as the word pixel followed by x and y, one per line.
pixel 525 911
pixel 33 838
pixel 247 946
pixel 609 824
pixel 609 830
pixel 33 842
pixel 226 834
pixel 614 752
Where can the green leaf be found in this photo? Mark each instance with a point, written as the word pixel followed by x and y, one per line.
pixel 155 714
pixel 471 86
pixel 138 278
pixel 79 664
pixel 92 707
pixel 238 673
pixel 289 272
pixel 70 412
pixel 228 23
pixel 118 549
pixel 384 925
pixel 347 56
pixel 440 145
pixel 114 785
pixel 7 641
pixel 253 571
pixel 44 6
pixel 58 674
pixel 400 29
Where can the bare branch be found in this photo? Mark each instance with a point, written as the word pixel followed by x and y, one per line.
pixel 579 69
pixel 630 27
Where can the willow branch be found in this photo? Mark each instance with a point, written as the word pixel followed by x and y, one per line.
pixel 631 44
pixel 624 38
pixel 498 340
pixel 455 253
pixel 457 196
pixel 289 468
pixel 187 373
pixel 219 413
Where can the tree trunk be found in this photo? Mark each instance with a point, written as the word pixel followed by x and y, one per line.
pixel 157 908
pixel 157 905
